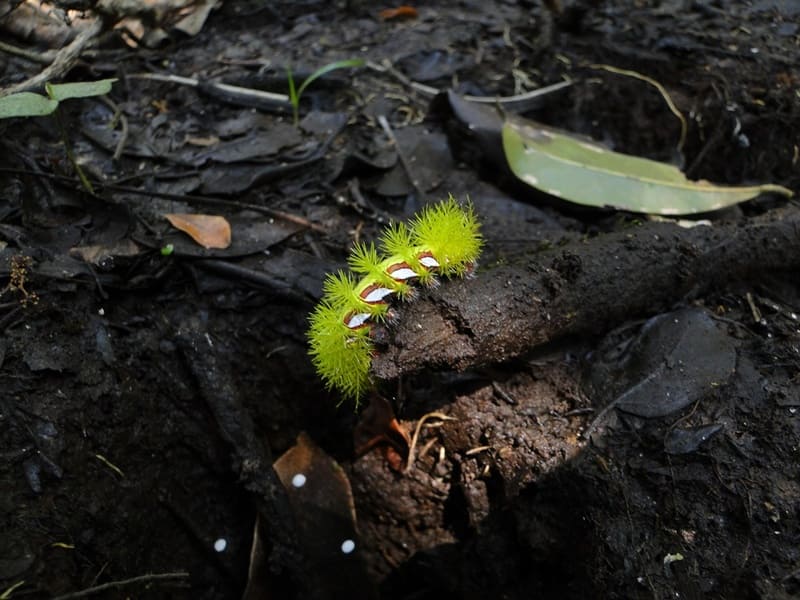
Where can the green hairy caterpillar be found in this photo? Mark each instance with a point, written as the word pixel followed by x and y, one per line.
pixel 443 239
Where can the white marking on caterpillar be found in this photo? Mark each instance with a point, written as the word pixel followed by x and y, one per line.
pixel 401 272
pixel 348 546
pixel 356 320
pixel 428 260
pixel 375 294
pixel 299 480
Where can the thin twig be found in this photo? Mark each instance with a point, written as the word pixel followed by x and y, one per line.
pixel 412 448
pixel 516 103
pixel 123 120
pixel 189 198
pixel 662 90
pixel 123 582
pixel 65 58
pixel 503 394
pixel 387 128
pixel 263 279
pixel 31 55
pixel 249 96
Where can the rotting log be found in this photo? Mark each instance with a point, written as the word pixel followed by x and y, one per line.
pixel 582 288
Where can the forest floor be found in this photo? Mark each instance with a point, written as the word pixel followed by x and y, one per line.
pixel 148 384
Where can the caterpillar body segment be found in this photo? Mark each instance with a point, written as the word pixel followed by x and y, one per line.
pixel 365 261
pixel 341 354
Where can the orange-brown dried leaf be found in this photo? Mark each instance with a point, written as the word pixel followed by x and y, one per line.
pixel 401 12
pixel 210 231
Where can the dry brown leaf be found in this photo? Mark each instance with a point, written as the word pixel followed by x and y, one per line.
pixel 210 231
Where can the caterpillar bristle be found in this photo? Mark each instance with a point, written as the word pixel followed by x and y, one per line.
pixel 397 241
pixel 442 239
pixel 339 288
pixel 450 233
pixel 345 292
pixel 432 282
pixel 364 260
pixel 341 355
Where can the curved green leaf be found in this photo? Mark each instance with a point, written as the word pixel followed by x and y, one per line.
pixel 586 173
pixel 26 104
pixel 80 89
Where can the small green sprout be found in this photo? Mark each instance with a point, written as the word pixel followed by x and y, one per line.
pixel 28 104
pixel 296 92
pixel 6 595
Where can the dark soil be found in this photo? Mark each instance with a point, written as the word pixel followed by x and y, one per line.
pixel 621 395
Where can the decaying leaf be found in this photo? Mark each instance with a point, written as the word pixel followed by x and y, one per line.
pixel 586 173
pixel 210 231
pixel 679 358
pixel 325 520
pixel 401 12
pixel 98 254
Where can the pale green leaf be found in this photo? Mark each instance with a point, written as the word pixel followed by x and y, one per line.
pixel 586 173
pixel 26 104
pixel 80 89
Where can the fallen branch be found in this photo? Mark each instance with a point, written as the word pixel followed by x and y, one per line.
pixel 583 288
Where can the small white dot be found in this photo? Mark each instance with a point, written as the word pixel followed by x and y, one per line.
pixel 220 545
pixel 348 546
pixel 299 480
pixel 101 312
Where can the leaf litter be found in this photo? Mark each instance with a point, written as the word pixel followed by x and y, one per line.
pixel 509 500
